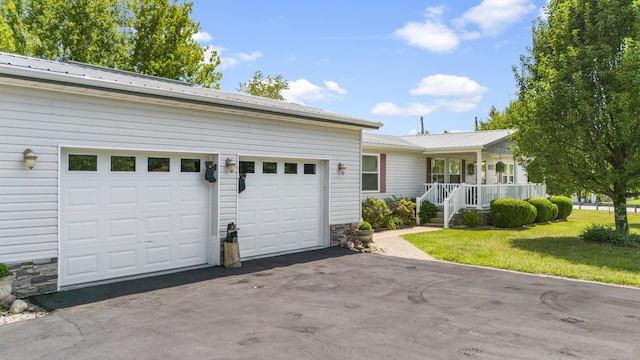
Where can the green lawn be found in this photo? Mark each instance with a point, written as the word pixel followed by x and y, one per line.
pixel 552 249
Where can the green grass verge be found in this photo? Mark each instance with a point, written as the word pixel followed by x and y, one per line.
pixel 551 249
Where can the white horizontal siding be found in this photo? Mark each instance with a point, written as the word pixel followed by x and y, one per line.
pixel 406 173
pixel 43 120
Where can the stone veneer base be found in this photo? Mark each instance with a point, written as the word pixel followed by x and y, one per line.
pixel 341 233
pixel 35 277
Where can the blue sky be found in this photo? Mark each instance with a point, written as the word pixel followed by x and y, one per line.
pixel 386 61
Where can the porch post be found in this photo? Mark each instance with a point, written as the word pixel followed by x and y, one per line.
pixel 479 177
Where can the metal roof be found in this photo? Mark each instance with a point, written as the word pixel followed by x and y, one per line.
pixel 380 140
pixel 23 68
pixel 458 140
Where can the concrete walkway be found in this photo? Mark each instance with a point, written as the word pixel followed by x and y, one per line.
pixel 390 243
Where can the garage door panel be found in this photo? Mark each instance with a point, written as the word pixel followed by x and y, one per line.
pixel 157 195
pixel 123 196
pixel 81 266
pixel 81 232
pixel 123 260
pixel 118 224
pixel 83 197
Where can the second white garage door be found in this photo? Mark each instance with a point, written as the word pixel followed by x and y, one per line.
pixel 281 208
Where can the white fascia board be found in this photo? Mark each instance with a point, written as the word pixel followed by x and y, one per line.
pixel 102 87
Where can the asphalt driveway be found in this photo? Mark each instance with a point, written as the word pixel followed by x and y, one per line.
pixel 335 304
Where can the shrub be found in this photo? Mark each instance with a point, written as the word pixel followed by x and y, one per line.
pixel 606 234
pixel 4 270
pixel 392 222
pixel 364 226
pixel 507 213
pixel 375 212
pixel 428 211
pixel 471 218
pixel 565 206
pixel 403 209
pixel 547 210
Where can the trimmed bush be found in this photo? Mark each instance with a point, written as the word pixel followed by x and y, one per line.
pixel 375 212
pixel 403 209
pixel 471 218
pixel 4 270
pixel 508 213
pixel 608 235
pixel 547 210
pixel 565 206
pixel 428 211
pixel 364 226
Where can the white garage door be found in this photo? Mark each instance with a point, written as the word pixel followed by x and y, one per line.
pixel 281 208
pixel 128 213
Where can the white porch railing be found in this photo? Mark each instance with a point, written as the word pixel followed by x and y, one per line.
pixel 454 197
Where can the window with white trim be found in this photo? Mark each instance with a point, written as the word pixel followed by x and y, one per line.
pixel 437 171
pixel 370 173
pixel 454 171
pixel 507 175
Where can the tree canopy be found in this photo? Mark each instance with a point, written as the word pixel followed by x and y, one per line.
pixel 579 121
pixel 271 87
pixel 152 37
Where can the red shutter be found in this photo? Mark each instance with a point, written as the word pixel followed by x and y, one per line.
pixel 463 171
pixel 383 173
pixel 428 170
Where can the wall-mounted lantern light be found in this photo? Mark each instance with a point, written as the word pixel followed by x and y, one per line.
pixel 231 165
pixel 30 158
pixel 342 168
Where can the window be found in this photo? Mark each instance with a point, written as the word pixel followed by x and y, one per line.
pixel 269 167
pixel 309 169
pixel 437 171
pixel 370 173
pixel 158 164
pixel 507 176
pixel 454 171
pixel 290 168
pixel 83 162
pixel 123 163
pixel 190 165
pixel 247 167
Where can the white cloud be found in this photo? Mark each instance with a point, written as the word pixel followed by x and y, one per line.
pixel 413 109
pixel 302 90
pixel 202 36
pixel 447 85
pixel 462 104
pixel 491 17
pixel 431 35
pixel 413 132
pixel 449 92
pixel 230 61
pixel 494 16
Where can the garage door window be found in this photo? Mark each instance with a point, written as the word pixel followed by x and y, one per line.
pixel 269 167
pixel 309 169
pixel 190 165
pixel 247 167
pixel 158 164
pixel 123 163
pixel 83 162
pixel 290 168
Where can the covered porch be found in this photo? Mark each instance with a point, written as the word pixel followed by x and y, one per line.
pixel 455 197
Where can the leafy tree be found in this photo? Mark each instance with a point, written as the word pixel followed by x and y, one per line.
pixel 271 87
pixel 579 85
pixel 499 120
pixel 153 37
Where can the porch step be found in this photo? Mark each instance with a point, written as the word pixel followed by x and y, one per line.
pixel 438 220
